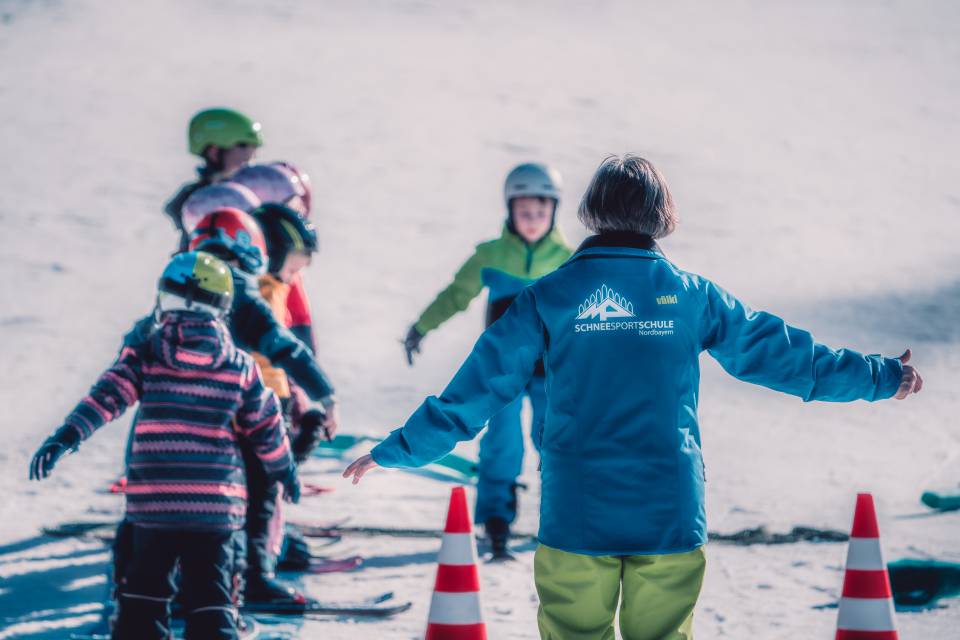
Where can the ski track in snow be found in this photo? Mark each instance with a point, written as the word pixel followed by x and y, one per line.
pixel 811 149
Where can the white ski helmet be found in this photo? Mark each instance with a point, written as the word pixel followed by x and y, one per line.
pixel 216 196
pixel 273 183
pixel 532 179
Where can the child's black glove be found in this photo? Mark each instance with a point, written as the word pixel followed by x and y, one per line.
pixel 311 429
pixel 65 439
pixel 291 486
pixel 411 344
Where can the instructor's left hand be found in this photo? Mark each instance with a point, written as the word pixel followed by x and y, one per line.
pixel 910 381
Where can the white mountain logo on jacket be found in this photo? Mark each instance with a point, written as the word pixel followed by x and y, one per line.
pixel 605 303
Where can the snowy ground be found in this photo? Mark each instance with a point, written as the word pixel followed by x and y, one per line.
pixel 812 148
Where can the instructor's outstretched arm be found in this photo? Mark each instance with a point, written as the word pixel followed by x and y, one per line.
pixel 761 348
pixel 494 374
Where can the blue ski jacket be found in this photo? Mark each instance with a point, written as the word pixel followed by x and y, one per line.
pixel 620 329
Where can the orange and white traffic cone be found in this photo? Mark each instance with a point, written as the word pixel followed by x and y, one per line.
pixel 866 605
pixel 455 608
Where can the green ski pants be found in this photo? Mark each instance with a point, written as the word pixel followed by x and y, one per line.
pixel 579 593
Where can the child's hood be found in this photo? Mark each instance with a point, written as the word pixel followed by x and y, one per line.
pixel 192 341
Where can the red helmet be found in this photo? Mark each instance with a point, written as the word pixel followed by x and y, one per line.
pixel 231 234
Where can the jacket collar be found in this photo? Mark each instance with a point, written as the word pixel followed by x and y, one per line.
pixel 621 239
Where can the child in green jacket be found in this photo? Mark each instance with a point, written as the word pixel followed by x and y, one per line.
pixel 530 247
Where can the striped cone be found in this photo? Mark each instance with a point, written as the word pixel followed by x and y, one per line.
pixel 866 606
pixel 455 607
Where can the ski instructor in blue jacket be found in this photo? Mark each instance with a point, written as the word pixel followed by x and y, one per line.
pixel 620 329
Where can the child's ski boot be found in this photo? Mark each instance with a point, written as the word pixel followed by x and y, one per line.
pixel 498 533
pixel 295 555
pixel 264 588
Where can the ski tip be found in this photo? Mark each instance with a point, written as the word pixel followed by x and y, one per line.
pixel 397 609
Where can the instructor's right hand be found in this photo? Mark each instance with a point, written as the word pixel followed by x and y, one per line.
pixel 359 467
pixel 910 381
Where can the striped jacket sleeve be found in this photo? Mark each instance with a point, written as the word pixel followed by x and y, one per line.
pixel 259 422
pixel 118 388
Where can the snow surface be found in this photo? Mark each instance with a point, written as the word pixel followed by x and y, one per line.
pixel 812 148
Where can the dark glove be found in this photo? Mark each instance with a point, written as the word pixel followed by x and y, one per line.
pixel 310 426
pixel 291 486
pixel 65 439
pixel 411 344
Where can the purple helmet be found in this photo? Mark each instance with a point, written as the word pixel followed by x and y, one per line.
pixel 273 183
pixel 216 196
pixel 304 180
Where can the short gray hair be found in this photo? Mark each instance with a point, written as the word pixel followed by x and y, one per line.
pixel 627 193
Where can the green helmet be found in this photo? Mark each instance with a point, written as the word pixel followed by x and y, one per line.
pixel 224 128
pixel 196 281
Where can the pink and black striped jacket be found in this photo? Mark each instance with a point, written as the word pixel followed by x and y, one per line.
pixel 199 395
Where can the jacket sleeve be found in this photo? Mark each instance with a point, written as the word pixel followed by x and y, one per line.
pixel 174 210
pixel 118 388
pixel 761 348
pixel 259 422
pixel 300 317
pixel 467 285
pixel 494 374
pixel 286 351
pixel 140 333
pixel 257 328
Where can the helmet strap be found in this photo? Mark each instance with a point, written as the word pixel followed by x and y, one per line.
pixel 157 312
pixel 190 291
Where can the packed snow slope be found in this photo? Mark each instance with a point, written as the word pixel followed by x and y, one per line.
pixel 811 147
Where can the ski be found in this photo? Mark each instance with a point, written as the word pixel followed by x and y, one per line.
pixel 340 445
pixel 440 474
pixel 329 565
pixel 250 630
pixel 309 489
pixel 920 583
pixel 318 565
pixel 461 464
pixel 760 535
pixel 941 501
pixel 376 607
pixel 317 544
pixel 315 608
pixel 81 528
pixel 104 530
pixel 465 469
pixel 313 531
